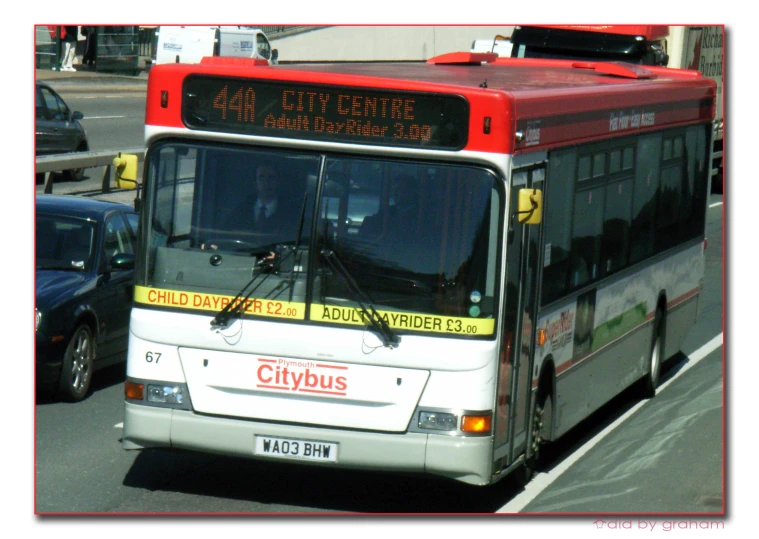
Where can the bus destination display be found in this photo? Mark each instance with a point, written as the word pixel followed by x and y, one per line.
pixel 356 115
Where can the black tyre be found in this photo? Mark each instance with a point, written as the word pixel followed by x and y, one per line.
pixel 78 363
pixel 540 422
pixel 656 356
pixel 75 175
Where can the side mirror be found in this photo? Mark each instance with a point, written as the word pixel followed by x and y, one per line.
pixel 76 115
pixel 126 170
pixel 530 206
pixel 274 56
pixel 122 261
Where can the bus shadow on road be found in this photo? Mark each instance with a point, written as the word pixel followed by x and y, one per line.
pixel 555 453
pixel 238 485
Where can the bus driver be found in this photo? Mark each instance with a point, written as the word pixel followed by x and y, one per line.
pixel 264 213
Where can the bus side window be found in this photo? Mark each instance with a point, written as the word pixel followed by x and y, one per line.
pixel 644 197
pixel 668 205
pixel 616 231
pixel 558 224
pixel 586 236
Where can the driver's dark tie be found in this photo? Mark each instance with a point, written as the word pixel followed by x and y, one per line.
pixel 261 215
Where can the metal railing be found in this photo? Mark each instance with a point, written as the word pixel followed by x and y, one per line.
pixel 48 164
pixel 146 41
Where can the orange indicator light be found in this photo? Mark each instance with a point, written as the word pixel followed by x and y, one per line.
pixel 133 390
pixel 479 424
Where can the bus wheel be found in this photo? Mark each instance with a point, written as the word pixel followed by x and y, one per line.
pixel 651 380
pixel 78 360
pixel 541 417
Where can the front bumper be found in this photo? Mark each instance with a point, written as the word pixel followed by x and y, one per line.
pixel 461 458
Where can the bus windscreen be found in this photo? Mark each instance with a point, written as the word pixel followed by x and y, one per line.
pixel 337 114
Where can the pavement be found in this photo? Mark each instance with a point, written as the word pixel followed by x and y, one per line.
pixel 86 79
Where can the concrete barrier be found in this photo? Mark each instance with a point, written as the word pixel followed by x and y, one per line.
pixel 49 164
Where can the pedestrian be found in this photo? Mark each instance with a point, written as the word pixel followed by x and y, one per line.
pixel 70 36
pixel 90 33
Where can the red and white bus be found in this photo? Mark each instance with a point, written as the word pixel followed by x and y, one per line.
pixel 471 256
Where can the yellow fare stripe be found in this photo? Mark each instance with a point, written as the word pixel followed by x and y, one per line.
pixel 319 313
pixel 214 302
pixel 401 320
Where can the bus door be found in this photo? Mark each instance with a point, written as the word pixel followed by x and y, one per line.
pixel 516 356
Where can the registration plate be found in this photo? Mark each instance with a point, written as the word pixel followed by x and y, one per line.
pixel 296 449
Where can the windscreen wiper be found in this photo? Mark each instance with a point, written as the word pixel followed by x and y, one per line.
pixel 265 266
pixel 379 324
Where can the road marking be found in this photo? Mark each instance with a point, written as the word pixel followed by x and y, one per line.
pixel 104 117
pixel 715 204
pixel 119 425
pixel 543 481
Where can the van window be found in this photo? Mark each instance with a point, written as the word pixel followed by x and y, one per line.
pixel 262 46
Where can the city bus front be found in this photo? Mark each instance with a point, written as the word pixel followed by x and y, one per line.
pixel 307 302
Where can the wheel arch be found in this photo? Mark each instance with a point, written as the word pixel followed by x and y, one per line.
pixel 84 314
pixel 547 386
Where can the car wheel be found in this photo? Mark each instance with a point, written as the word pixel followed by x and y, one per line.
pixel 78 361
pixel 75 175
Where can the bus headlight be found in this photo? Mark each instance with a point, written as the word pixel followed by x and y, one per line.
pixel 166 394
pixel 437 421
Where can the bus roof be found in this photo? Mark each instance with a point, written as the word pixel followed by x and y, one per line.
pixel 563 102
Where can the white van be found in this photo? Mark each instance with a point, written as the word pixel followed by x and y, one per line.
pixel 188 44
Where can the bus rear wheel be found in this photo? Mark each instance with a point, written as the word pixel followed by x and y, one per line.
pixel 651 380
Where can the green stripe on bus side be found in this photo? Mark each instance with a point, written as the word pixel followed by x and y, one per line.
pixel 619 325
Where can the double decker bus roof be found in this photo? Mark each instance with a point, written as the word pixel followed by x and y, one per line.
pixel 558 102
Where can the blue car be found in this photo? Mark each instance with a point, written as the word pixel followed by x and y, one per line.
pixel 84 286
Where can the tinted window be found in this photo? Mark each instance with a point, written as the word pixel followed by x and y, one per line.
pixel 650 197
pixel 56 109
pixel 616 233
pixel 586 236
pixel 558 224
pixel 672 193
pixel 117 237
pixel 644 197
pixel 133 221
